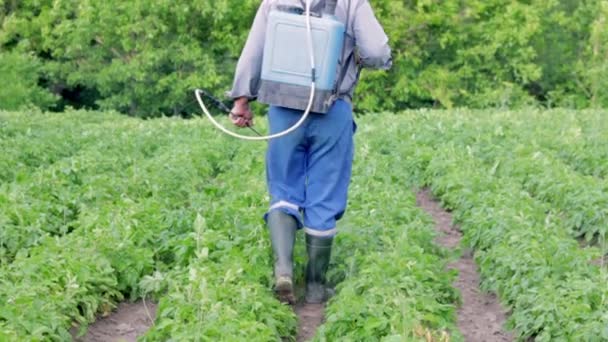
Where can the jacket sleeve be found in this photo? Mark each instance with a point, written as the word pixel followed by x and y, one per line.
pixel 247 76
pixel 370 39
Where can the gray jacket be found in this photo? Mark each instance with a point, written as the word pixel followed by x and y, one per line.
pixel 364 35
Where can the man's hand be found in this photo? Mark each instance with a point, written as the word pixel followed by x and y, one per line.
pixel 240 114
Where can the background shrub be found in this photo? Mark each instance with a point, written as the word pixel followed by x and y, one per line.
pixel 20 76
pixel 144 57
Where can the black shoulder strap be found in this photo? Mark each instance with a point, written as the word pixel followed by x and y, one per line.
pixel 344 62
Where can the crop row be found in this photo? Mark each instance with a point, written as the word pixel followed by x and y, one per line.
pixel 46 200
pixel 395 285
pixel 143 194
pixel 37 140
pixel 591 158
pixel 575 137
pixel 519 147
pixel 219 285
pixel 54 200
pixel 536 152
pixel 391 279
pixel 167 208
pixel 526 255
pixel 524 251
pixel 116 241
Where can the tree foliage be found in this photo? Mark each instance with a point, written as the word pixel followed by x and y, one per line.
pixel 140 57
pixel 595 73
pixel 20 77
pixel 145 57
pixel 486 53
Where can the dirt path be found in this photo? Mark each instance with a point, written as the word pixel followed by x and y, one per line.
pixel 310 316
pixel 480 318
pixel 125 324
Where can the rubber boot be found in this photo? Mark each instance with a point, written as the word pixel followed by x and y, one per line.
pixel 282 227
pixel 319 252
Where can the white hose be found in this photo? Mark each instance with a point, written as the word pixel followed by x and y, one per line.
pixel 197 93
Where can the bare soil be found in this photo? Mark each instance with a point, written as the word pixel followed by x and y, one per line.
pixel 601 261
pixel 310 316
pixel 125 324
pixel 480 317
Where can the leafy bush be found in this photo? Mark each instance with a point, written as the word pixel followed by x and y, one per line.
pixel 144 57
pixel 448 53
pixel 595 72
pixel 20 74
pixel 140 57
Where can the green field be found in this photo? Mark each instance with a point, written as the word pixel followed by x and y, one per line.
pixel 98 208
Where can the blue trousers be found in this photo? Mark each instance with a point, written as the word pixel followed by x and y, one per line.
pixel 308 171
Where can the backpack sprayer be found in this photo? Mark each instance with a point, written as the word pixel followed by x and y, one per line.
pixel 289 72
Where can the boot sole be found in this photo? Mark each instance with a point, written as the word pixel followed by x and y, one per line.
pixel 284 291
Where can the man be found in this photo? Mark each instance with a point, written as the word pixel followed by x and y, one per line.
pixel 308 171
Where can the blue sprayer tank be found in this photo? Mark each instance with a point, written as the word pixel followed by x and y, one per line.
pixel 286 70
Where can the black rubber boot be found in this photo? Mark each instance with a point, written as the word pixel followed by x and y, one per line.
pixel 319 253
pixel 282 229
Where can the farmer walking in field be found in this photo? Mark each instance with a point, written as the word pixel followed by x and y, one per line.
pixel 308 171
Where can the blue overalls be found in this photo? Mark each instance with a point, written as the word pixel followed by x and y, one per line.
pixel 308 171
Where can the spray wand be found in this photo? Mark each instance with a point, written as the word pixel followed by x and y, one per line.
pixel 221 106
